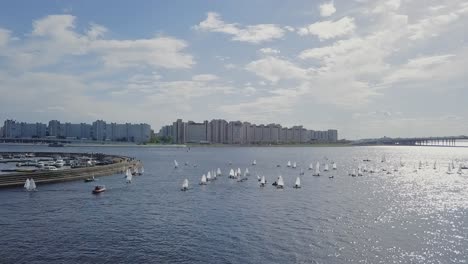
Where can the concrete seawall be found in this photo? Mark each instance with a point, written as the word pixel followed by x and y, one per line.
pixel 41 177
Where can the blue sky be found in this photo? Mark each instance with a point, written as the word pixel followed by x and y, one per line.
pixel 367 68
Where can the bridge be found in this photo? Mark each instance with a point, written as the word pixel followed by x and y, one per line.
pixel 449 141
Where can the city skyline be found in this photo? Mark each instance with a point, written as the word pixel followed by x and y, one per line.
pixel 367 68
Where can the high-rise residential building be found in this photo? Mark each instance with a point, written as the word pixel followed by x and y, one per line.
pixel 236 132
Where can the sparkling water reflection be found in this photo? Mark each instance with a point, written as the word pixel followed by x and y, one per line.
pixel 402 217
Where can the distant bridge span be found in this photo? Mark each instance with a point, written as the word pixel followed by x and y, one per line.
pixel 416 141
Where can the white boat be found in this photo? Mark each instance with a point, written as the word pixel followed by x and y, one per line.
pixel 246 173
pixel 317 169
pixel 289 163
pixel 262 181
pixel 359 171
pixel 449 168
pixel 254 162
pixel 294 165
pixel 203 180
pixel 128 176
pixel 208 176
pixel 184 185
pixel 239 173
pixel 334 166
pixel 176 165
pixel 311 167
pixel 460 171
pixel 232 174
pixel 326 167
pixel 142 170
pixel 27 184
pixel 218 172
pixel 258 178
pixel 32 185
pixel 353 173
pixel 280 183
pixel 136 171
pixel 298 183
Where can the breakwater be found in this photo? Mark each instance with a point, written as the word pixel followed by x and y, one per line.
pixel 118 165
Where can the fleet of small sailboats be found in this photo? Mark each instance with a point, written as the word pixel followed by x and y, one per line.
pixel 30 185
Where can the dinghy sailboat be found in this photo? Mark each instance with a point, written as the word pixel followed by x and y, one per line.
pixel 326 167
pixel 176 165
pixel 218 172
pixel 246 173
pixel 184 185
pixel 298 183
pixel 254 162
pixel 280 183
pixel 262 181
pixel 232 175
pixel 317 169
pixel 289 163
pixel 128 176
pixel 294 165
pixel 334 165
pixel 203 180
pixel 30 185
pixel 311 167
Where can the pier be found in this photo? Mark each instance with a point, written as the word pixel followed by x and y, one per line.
pixel 119 164
pixel 449 141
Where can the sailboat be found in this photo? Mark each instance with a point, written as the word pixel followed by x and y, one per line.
pixel 301 172
pixel 353 174
pixel 232 175
pixel 136 172
pixel 218 172
pixel 334 165
pixel 142 170
pixel 289 163
pixel 326 167
pixel 254 162
pixel 460 171
pixel 203 180
pixel 128 176
pixel 280 183
pixel 311 167
pixel 176 165
pixel 30 185
pixel 294 165
pixel 184 185
pixel 435 165
pixel 298 183
pixel 208 176
pixel 262 181
pixel 239 173
pixel 359 171
pixel 247 173
pixel 317 169
pixel 449 169
pixel 258 178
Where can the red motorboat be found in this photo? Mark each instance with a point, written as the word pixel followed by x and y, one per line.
pixel 99 189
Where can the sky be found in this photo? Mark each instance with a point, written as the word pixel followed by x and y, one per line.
pixel 369 68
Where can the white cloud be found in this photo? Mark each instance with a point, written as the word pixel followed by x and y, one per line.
pixel 253 33
pixel 204 77
pixel 327 9
pixel 54 37
pixel 329 29
pixel 275 69
pixel 269 51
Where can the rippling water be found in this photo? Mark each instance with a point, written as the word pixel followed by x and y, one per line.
pixel 403 217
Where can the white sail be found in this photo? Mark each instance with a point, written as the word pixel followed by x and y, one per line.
pixel 136 171
pixel 280 182
pixel 129 176
pixel 289 163
pixel 311 166
pixel 208 176
pixel 353 173
pixel 262 181
pixel 334 166
pixel 239 172
pixel 176 165
pixel 218 172
pixel 294 165
pixel 231 173
pixel 298 183
pixel 27 184
pixel 254 162
pixel 203 179
pixel 142 170
pixel 246 173
pixel 32 185
pixel 326 167
pixel 185 184
pixel 317 168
